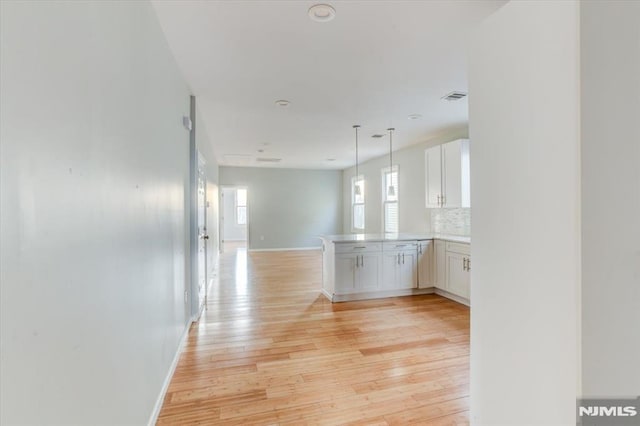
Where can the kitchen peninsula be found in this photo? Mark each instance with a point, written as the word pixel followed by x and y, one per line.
pixel 370 266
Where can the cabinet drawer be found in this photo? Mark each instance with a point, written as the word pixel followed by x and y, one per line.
pixel 459 248
pixel 400 245
pixel 357 247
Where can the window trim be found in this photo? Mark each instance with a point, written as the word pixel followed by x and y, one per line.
pixel 355 179
pixel 384 171
pixel 237 206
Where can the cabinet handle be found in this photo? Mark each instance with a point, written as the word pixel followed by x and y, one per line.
pixel 362 260
pixel 398 258
pixel 464 263
pixel 468 264
pixel 403 258
pixel 357 261
pixel 359 247
pixel 419 248
pixel 401 245
pixel 438 199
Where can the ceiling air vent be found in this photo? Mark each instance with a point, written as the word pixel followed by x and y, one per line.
pixel 268 160
pixel 454 96
pixel 377 136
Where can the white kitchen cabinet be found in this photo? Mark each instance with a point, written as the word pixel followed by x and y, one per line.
pixel 433 176
pixel 458 269
pixel 447 175
pixel 368 272
pixel 357 272
pixel 400 265
pixel 457 274
pixel 425 264
pixel 439 264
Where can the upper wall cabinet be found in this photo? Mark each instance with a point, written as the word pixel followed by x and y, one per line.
pixel 447 174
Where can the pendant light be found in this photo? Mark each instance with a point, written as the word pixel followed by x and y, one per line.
pixel 391 191
pixel 357 190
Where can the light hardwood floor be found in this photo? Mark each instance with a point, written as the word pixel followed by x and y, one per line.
pixel 270 349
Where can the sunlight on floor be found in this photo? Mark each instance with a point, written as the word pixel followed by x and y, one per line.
pixel 241 271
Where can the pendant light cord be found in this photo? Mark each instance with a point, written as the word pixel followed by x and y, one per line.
pixel 356 126
pixel 390 149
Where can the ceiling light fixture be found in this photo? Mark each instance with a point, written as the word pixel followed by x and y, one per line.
pixel 283 103
pixel 322 12
pixel 357 190
pixel 414 116
pixel 391 191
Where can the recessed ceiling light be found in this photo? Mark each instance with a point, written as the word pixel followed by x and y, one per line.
pixel 414 116
pixel 322 12
pixel 283 102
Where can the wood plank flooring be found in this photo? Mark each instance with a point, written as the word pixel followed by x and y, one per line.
pixel 271 350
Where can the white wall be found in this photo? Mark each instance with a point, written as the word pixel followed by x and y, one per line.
pixel 94 165
pixel 610 75
pixel 231 230
pixel 413 215
pixel 288 208
pixel 524 127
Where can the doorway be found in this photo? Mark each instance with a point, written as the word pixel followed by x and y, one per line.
pixel 234 218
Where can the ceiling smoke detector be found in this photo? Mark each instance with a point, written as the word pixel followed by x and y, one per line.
pixel 414 116
pixel 283 103
pixel 322 13
pixel 454 96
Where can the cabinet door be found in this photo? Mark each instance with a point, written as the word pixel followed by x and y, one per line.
pixel 424 264
pixel 345 273
pixel 390 270
pixel 456 181
pixel 439 272
pixel 433 176
pixel 407 271
pixel 457 276
pixel 451 174
pixel 368 272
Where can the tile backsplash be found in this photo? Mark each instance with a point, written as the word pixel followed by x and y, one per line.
pixel 451 221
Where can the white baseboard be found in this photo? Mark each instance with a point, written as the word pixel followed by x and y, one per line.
pixel 167 380
pixel 288 249
pixel 453 297
pixel 327 295
pixel 379 294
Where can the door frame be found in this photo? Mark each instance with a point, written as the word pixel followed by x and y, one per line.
pixel 221 214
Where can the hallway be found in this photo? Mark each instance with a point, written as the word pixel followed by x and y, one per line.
pixel 270 349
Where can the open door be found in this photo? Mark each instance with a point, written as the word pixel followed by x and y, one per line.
pixel 234 217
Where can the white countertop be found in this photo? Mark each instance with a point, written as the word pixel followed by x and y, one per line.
pixel 351 238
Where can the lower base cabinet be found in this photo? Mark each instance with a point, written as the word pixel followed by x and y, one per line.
pixel 458 270
pixel 425 265
pixel 397 268
pixel 440 264
pixel 357 272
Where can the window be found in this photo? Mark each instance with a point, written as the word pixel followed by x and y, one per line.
pixel 241 206
pixel 390 199
pixel 357 203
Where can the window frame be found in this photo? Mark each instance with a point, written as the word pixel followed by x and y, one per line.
pixel 354 179
pixel 238 206
pixel 386 170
